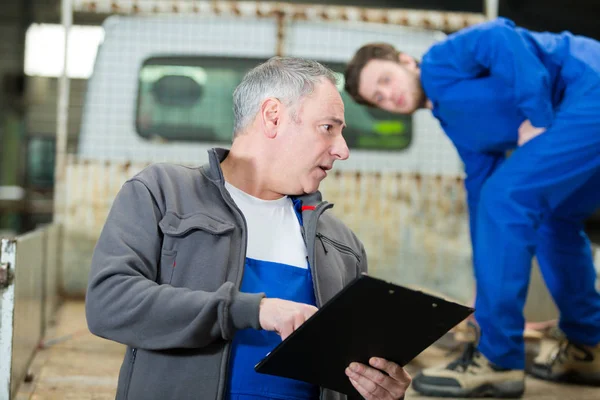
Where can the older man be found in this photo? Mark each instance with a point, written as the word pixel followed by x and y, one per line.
pixel 202 271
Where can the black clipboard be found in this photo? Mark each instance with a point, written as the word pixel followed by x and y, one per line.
pixel 368 318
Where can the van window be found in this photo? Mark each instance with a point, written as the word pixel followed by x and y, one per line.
pixel 190 99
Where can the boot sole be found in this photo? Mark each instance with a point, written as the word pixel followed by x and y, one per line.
pixel 504 390
pixel 572 377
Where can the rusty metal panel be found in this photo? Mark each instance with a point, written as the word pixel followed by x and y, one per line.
pixel 29 278
pixel 7 308
pixel 28 302
pixel 414 227
pixel 429 19
pixel 90 189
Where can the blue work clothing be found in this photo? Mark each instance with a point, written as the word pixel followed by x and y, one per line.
pixel 250 346
pixel 483 82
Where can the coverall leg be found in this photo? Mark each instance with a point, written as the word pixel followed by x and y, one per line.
pixel 565 257
pixel 526 190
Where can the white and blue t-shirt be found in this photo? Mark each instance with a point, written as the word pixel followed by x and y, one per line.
pixel 276 264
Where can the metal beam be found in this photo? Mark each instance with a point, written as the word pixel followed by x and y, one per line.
pixel 490 8
pixel 428 19
pixel 62 119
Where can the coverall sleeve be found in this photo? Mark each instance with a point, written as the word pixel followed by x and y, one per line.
pixel 478 168
pixel 496 48
pixel 124 302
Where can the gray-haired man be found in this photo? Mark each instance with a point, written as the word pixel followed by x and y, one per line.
pixel 202 271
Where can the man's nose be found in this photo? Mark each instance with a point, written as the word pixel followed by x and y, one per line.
pixel 340 149
pixel 387 94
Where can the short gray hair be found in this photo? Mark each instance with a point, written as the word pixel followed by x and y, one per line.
pixel 288 79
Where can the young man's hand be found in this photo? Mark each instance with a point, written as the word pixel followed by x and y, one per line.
pixel 528 132
pixel 373 384
pixel 283 316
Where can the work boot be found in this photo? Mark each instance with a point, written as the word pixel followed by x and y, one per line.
pixel 570 363
pixel 472 375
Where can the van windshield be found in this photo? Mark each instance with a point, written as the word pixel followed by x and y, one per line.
pixel 190 99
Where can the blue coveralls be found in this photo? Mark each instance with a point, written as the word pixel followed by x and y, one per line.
pixel 484 81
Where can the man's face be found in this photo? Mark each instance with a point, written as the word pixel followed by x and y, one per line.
pixel 310 141
pixel 392 86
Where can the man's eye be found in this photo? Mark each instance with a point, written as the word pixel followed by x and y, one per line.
pixel 327 127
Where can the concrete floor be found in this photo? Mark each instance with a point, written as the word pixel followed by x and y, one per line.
pixel 85 367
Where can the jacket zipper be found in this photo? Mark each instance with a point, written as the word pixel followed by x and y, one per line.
pixel 130 374
pixel 240 276
pixel 345 249
pixel 341 247
pixel 319 209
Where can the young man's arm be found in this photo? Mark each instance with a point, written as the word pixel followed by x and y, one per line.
pixel 124 303
pixel 496 48
pixel 478 168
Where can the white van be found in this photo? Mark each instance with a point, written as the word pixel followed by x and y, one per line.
pixel 161 90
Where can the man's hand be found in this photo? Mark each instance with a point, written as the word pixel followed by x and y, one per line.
pixel 528 132
pixel 373 384
pixel 283 316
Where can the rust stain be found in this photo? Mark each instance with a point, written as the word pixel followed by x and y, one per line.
pixel 413 225
pixel 235 9
pixel 447 21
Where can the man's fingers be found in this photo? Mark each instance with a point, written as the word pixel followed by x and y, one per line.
pixel 392 369
pixel 286 330
pixel 363 392
pixel 292 324
pixel 376 383
pixel 283 316
pixel 309 311
pixel 372 381
pixel 400 379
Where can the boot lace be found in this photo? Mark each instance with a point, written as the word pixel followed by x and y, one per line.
pixel 466 359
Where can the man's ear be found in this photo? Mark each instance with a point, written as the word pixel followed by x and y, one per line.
pixel 270 112
pixel 408 62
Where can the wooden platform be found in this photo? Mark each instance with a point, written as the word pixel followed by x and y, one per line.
pixel 81 366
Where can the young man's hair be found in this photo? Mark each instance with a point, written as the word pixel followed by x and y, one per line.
pixel 368 52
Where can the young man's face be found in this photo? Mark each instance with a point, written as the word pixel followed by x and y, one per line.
pixel 392 86
pixel 311 140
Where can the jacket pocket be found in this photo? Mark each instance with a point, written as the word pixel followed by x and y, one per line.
pixel 341 255
pixel 338 246
pixel 195 251
pixel 175 225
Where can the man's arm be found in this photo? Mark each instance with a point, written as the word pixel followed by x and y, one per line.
pixel 478 168
pixel 124 303
pixel 496 48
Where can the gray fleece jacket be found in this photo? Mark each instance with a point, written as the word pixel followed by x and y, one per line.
pixel 166 273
